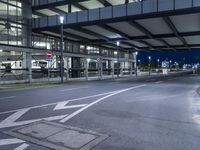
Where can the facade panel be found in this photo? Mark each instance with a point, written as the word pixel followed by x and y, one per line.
pixel 164 5
pixel 180 4
pixel 150 6
pixel 106 12
pixel 134 8
pixel 119 11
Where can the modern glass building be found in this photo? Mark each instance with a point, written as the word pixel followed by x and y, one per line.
pixel 91 29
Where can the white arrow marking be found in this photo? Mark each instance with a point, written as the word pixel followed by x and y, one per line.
pixel 10 141
pixel 71 100
pixel 97 101
pixel 62 105
pixel 11 120
pixel 22 147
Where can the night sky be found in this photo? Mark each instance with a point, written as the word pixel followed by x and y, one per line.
pixel 191 57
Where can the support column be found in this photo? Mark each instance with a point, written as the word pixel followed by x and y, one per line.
pixel 131 68
pixel 67 68
pixel 76 66
pixel 66 65
pixel 113 69
pixel 100 64
pixel 86 66
pixel 26 41
pixel 136 68
pixel 27 64
pixel 121 68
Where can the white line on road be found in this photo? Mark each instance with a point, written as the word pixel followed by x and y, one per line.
pixel 9 97
pixel 63 105
pixel 10 141
pixel 158 82
pixel 99 100
pixel 11 120
pixel 76 99
pixel 22 147
pixel 65 90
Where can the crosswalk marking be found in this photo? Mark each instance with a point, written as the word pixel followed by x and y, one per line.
pixel 10 141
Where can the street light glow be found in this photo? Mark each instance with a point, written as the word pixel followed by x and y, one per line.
pixel 88 59
pixel 158 60
pixel 118 43
pixel 61 19
pixel 149 57
pixel 136 53
pixel 115 52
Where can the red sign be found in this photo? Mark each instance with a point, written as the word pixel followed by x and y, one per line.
pixel 49 53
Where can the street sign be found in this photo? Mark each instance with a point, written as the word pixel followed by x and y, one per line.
pixel 165 64
pixel 49 55
pixel 98 59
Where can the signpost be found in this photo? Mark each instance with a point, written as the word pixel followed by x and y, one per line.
pixel 49 58
pixel 165 66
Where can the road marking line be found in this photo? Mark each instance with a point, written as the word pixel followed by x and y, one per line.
pixel 10 141
pixel 22 147
pixel 159 82
pixel 97 101
pixel 10 121
pixel 65 90
pixel 63 105
pixel 9 97
pixel 76 99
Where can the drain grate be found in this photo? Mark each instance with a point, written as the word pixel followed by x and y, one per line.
pixel 56 136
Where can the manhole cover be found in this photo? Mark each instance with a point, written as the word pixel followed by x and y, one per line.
pixel 57 136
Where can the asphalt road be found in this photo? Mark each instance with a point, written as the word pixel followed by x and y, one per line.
pixel 145 114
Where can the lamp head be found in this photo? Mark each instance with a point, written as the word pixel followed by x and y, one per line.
pixel 61 19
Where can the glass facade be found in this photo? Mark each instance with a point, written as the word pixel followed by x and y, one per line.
pixel 23 53
pixel 14 22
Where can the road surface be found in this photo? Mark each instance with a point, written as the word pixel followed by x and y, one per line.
pixel 147 114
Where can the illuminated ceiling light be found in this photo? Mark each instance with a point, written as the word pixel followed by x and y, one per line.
pixel 61 19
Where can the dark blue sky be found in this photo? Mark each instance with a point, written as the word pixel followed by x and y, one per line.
pixel 190 56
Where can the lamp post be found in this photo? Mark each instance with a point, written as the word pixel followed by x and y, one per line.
pixel 158 60
pixel 139 63
pixel 61 48
pixel 136 53
pixel 149 65
pixel 170 62
pixel 118 66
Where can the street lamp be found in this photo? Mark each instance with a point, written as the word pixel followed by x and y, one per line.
pixel 118 67
pixel 61 48
pixel 136 53
pixel 149 65
pixel 88 60
pixel 158 62
pixel 139 63
pixel 170 62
